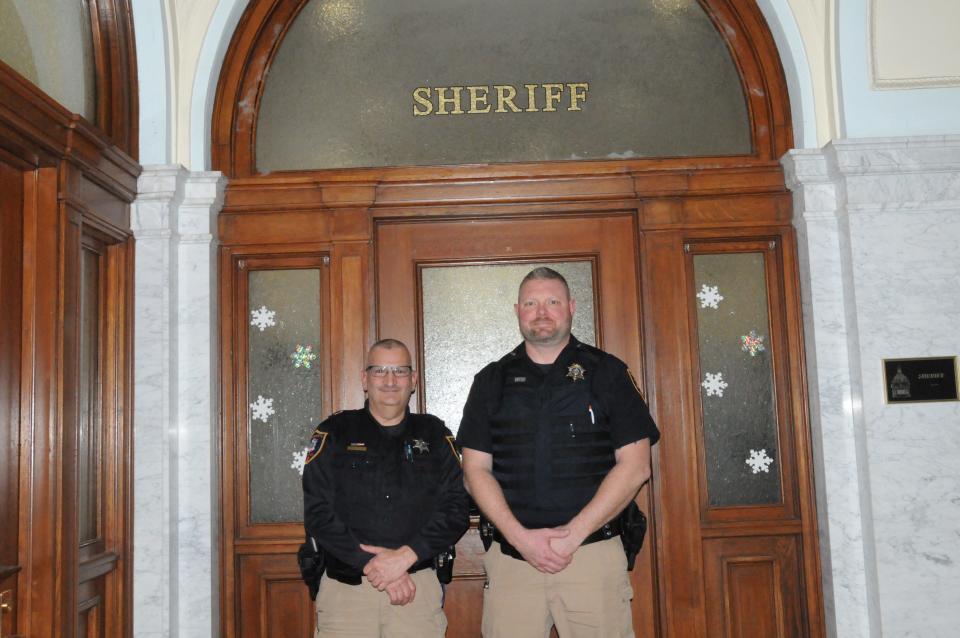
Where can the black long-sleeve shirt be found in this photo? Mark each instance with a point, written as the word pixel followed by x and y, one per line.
pixel 388 486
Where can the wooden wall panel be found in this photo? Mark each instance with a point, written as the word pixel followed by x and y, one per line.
pixel 285 599
pixel 758 587
pixel 675 484
pixel 11 275
pixel 78 177
pixel 275 600
pixel 350 310
pixel 41 614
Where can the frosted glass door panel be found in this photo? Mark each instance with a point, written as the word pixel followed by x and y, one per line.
pixel 469 321
pixel 283 391
pixel 741 444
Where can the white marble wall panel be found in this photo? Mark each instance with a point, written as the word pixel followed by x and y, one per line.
pixel 174 221
pixel 197 406
pixel 909 308
pixel 839 438
pixel 878 274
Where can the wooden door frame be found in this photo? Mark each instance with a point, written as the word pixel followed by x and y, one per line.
pixel 674 200
pixel 78 177
pixel 11 282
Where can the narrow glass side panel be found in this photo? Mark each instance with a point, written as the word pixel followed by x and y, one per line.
pixel 283 389
pixel 736 385
pixel 469 321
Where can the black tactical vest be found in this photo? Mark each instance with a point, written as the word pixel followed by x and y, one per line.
pixel 550 436
pixel 387 489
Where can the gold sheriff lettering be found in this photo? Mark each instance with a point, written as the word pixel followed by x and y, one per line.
pixel 548 97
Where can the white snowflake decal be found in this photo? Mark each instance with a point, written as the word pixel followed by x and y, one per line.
pixel 709 296
pixel 759 461
pixel 262 318
pixel 262 408
pixel 300 459
pixel 714 384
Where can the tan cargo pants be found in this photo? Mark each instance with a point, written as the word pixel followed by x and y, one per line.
pixel 360 611
pixel 588 599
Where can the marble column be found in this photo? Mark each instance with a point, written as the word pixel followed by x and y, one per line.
pixel 175 418
pixel 878 222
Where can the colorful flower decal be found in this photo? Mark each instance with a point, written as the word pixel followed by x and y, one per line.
pixel 303 357
pixel 752 343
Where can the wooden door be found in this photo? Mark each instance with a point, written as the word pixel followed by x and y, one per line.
pixel 11 273
pixel 607 245
pixel 292 366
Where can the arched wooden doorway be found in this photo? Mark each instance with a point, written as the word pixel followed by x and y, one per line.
pixel 653 232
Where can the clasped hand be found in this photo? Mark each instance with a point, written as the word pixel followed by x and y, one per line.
pixel 548 549
pixel 387 571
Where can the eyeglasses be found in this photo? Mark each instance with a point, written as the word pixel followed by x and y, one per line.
pixel 401 372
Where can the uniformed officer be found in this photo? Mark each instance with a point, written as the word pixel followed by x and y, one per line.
pixel 556 443
pixel 383 495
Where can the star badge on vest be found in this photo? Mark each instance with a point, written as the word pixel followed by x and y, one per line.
pixel 576 372
pixel 421 446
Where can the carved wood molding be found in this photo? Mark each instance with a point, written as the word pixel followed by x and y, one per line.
pixel 282 208
pixel 116 70
pixel 265 23
pixel 35 130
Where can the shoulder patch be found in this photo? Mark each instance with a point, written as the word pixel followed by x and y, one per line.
pixel 453 448
pixel 317 442
pixel 636 386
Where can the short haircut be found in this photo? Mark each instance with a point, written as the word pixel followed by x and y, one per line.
pixel 390 344
pixel 543 272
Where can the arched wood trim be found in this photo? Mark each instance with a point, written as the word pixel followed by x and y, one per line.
pixel 39 130
pixel 265 23
pixel 116 73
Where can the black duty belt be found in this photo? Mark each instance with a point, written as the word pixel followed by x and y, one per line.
pixel 608 531
pixel 349 576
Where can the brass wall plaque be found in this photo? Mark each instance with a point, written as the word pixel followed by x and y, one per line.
pixel 922 379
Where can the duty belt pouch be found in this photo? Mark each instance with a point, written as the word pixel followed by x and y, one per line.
pixel 311 562
pixel 633 524
pixel 443 563
pixel 486 532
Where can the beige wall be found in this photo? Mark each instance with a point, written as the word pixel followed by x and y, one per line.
pixel 189 20
pixel 817 26
pixel 915 43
